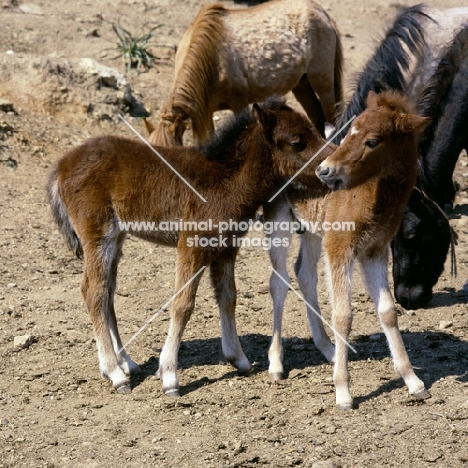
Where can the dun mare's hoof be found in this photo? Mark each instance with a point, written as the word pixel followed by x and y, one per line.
pixel 422 394
pixel 124 388
pixel 275 376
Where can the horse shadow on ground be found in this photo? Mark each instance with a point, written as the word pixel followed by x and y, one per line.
pixel 434 354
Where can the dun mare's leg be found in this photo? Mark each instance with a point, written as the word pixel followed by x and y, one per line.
pixel 376 277
pixel 98 285
pixel 305 95
pixel 188 263
pixel 340 264
pixel 306 272
pixel 222 277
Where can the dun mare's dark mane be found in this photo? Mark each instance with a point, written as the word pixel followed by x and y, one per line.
pixel 385 69
pixel 221 145
pixel 447 83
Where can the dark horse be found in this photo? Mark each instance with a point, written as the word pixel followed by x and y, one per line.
pixel 417 243
pixel 422 242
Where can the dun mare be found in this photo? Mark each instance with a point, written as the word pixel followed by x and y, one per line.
pixel 110 180
pixel 230 58
pixel 377 165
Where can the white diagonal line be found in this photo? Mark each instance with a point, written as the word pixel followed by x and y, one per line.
pixel 311 159
pixel 161 309
pixel 313 310
pixel 156 152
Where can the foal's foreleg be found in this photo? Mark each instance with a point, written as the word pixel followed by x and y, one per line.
pixel 307 276
pixel 188 265
pixel 222 277
pixel 376 277
pixel 340 264
pixel 278 290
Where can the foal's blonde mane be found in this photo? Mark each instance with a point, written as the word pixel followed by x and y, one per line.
pixel 199 76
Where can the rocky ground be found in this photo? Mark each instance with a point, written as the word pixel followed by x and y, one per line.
pixel 55 411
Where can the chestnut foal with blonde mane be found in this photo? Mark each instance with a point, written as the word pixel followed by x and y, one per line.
pixel 230 58
pixel 109 180
pixel 377 165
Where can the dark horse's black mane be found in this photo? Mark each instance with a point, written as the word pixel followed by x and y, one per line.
pixel 221 144
pixel 385 69
pixel 445 100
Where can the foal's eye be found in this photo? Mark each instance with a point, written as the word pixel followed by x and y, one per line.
pixel 298 145
pixel 371 143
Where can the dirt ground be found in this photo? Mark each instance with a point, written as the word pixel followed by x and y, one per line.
pixel 55 411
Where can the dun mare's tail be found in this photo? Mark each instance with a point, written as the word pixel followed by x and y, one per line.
pixel 385 69
pixel 60 214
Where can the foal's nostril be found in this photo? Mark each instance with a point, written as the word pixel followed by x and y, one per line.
pixel 323 171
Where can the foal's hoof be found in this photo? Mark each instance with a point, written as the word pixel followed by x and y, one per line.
pixel 124 388
pixel 345 406
pixel 275 376
pixel 174 393
pixel 422 394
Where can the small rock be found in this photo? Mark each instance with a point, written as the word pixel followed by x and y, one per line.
pixel 324 464
pixel 238 448
pixel 11 285
pixel 445 324
pixel 23 341
pixel 6 106
pixel 31 9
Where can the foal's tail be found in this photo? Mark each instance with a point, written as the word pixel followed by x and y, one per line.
pixel 61 216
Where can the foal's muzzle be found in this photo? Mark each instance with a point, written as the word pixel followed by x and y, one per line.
pixel 329 176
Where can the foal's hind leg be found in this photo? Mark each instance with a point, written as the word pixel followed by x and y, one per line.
pixel 100 263
pixel 188 264
pixel 222 277
pixel 123 359
pixel 306 272
pixel 376 277
pixel 305 95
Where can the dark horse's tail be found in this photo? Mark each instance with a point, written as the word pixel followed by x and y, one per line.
pixel 385 69
pixel 61 216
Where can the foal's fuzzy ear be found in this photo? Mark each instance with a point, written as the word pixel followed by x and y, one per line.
pixel 265 118
pixel 371 100
pixel 409 123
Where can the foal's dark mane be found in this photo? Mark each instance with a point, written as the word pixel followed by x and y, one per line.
pixel 384 70
pixel 447 83
pixel 221 145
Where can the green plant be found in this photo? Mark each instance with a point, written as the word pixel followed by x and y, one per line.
pixel 134 50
